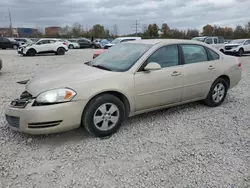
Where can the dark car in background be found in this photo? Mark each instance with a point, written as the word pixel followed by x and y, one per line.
pixel 24 40
pixel 1 64
pixel 8 43
pixel 83 42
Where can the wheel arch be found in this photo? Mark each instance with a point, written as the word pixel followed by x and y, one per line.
pixel 32 49
pixel 117 94
pixel 226 78
pixel 61 47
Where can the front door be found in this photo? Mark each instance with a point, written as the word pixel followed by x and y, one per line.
pixel 159 87
pixel 199 71
pixel 247 46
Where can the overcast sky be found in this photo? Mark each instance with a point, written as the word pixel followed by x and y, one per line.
pixel 180 14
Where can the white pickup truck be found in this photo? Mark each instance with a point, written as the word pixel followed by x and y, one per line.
pixel 216 41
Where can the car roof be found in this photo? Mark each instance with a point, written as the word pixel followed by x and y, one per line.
pixel 165 41
pixel 128 38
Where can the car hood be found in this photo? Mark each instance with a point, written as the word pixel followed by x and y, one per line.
pixel 109 44
pixel 65 76
pixel 232 44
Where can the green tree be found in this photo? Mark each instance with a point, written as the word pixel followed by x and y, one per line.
pixel 153 30
pixel 208 30
pixel 98 31
pixel 240 32
pixel 76 30
pixel 165 30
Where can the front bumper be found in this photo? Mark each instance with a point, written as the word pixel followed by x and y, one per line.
pixel 231 51
pixel 20 51
pixel 45 119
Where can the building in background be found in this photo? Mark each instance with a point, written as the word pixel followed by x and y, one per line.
pixel 6 32
pixel 52 31
pixel 27 32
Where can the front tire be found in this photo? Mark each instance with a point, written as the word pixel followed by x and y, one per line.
pixel 71 46
pixel 31 52
pixel 103 115
pixel 240 52
pixel 217 93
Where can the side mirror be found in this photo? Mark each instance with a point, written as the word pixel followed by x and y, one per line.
pixel 152 66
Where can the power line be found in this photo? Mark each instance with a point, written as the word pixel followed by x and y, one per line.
pixel 136 26
pixel 11 30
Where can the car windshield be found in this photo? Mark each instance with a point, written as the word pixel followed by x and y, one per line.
pixel 121 57
pixel 239 41
pixel 115 41
pixel 11 39
pixel 201 39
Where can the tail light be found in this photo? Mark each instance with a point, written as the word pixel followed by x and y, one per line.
pixel 65 43
pixel 239 63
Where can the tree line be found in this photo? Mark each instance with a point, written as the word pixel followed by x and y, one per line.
pixel 155 31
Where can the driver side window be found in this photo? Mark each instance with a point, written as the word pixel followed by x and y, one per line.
pixel 247 42
pixel 209 41
pixel 166 56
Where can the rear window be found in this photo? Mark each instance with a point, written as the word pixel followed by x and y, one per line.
pixel 213 55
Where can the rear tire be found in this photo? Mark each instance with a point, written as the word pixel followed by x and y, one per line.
pixel 98 118
pixel 93 46
pixel 60 51
pixel 217 93
pixel 15 47
pixel 71 46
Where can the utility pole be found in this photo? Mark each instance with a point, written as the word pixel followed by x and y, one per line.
pixel 136 26
pixel 11 30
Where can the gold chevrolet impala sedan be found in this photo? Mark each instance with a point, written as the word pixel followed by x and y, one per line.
pixel 129 79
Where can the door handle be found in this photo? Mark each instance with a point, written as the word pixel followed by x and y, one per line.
pixel 211 67
pixel 175 73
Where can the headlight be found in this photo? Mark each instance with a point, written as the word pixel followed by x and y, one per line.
pixel 56 96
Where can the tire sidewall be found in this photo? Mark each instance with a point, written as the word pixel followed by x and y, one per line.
pixel 60 51
pixel 31 52
pixel 94 104
pixel 15 47
pixel 71 46
pixel 240 53
pixel 210 95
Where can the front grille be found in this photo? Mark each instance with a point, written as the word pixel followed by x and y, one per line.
pixel 228 48
pixel 13 121
pixel 44 124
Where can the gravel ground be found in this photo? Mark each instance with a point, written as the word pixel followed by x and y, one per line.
pixel 186 146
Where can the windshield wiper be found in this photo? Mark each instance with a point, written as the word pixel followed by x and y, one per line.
pixel 101 67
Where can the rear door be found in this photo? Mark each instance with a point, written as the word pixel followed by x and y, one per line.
pixel 199 70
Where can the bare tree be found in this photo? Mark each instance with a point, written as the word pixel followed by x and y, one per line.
pixel 115 30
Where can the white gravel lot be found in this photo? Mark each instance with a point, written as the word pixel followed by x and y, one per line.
pixel 186 146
